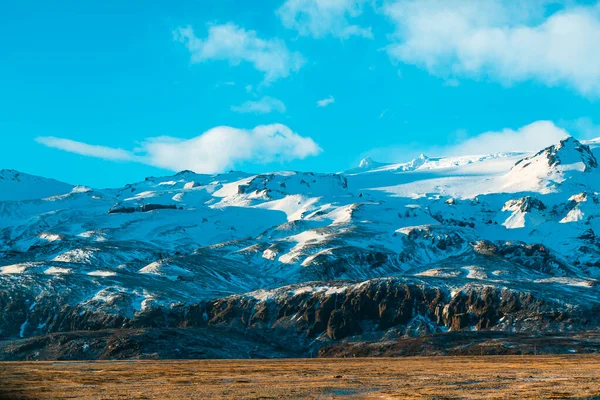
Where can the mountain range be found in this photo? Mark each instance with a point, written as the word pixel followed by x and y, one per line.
pixel 495 248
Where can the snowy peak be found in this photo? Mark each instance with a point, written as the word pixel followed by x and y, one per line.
pixel 524 204
pixel 571 151
pixel 429 164
pixel 18 186
pixel 568 161
pixel 526 212
pixel 15 176
pixel 277 185
pixel 368 163
pixel 415 164
pixel 568 152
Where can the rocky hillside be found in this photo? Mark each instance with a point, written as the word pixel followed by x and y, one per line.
pixel 289 263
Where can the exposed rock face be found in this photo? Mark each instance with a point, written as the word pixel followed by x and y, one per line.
pixel 149 343
pixel 308 317
pixel 526 204
pixel 143 208
pixel 214 343
pixel 378 307
pixel 469 344
pixel 531 256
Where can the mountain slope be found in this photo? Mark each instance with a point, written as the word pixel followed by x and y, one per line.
pixel 18 186
pixel 505 242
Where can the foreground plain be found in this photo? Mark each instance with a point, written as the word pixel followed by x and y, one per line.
pixel 491 377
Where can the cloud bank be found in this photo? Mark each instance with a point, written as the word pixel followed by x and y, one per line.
pixel 498 40
pixel 528 138
pixel 229 42
pixel 532 137
pixel 320 18
pixel 215 150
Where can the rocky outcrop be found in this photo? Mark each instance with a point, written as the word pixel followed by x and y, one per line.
pixel 470 344
pixel 310 316
pixel 536 257
pixel 143 208
pixel 216 343
pixel 297 321
pixel 147 343
pixel 562 152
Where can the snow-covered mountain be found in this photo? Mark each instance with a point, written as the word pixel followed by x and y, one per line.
pixel 506 241
pixel 16 185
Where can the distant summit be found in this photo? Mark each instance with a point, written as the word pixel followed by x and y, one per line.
pixel 19 186
pixel 568 151
pixel 415 163
pixel 567 161
pixel 368 163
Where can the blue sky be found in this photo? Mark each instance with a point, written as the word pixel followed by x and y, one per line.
pixel 88 87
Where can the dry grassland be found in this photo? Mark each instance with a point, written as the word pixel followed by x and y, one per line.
pixel 492 377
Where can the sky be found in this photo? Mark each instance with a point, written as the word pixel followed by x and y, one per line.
pixel 104 93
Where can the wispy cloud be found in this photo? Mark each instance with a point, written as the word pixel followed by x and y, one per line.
pixel 107 153
pixel 499 40
pixel 319 18
pixel 215 150
pixel 263 106
pixel 229 42
pixel 325 102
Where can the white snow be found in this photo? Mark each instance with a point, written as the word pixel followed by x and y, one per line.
pixel 49 237
pixel 573 216
pixel 57 271
pixel 13 269
pixel 102 273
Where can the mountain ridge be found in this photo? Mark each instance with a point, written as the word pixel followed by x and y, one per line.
pixel 313 259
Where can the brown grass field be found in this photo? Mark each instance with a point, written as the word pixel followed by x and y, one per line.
pixel 489 377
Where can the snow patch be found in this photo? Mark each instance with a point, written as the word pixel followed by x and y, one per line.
pixel 102 273
pixel 57 271
pixel 13 269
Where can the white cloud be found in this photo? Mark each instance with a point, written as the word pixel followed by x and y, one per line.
pixel 215 150
pixel 234 44
pixel 325 102
pixel 499 40
pixel 532 137
pixel 107 153
pixel 529 138
pixel 320 18
pixel 263 106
